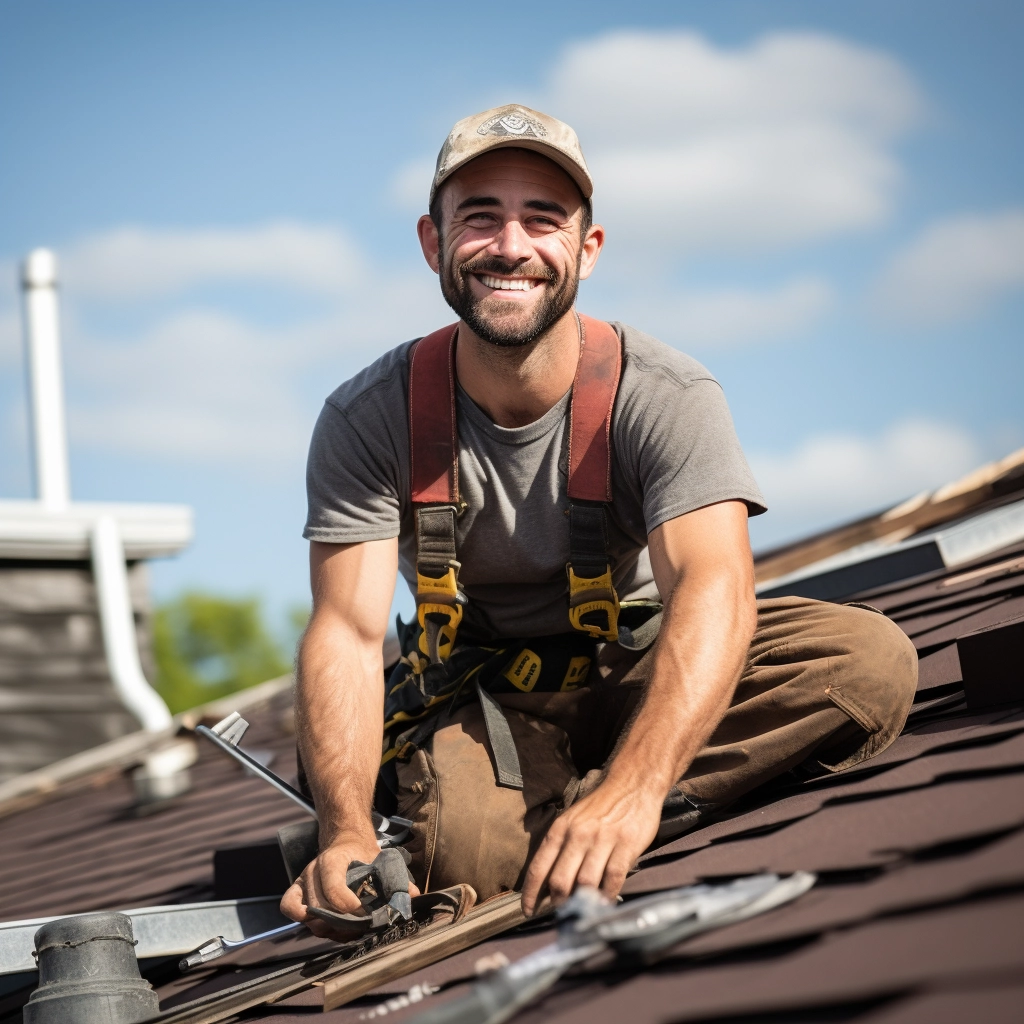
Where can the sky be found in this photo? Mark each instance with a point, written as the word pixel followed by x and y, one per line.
pixel 822 202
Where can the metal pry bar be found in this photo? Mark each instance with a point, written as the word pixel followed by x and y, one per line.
pixel 218 946
pixel 226 734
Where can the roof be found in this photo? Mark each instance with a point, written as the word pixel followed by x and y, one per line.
pixel 917 915
pixel 31 530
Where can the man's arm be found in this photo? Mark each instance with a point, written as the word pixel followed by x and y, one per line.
pixel 704 571
pixel 339 708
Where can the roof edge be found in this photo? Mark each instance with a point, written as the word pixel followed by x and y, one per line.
pixel 26 790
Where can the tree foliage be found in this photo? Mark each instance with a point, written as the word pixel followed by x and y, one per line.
pixel 207 646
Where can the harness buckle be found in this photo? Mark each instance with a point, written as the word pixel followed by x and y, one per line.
pixel 439 610
pixel 594 597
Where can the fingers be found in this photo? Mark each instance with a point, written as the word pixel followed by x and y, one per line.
pixel 293 902
pixel 594 843
pixel 543 860
pixel 558 860
pixel 615 872
pixel 328 879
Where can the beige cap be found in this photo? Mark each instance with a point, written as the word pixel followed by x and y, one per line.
pixel 513 125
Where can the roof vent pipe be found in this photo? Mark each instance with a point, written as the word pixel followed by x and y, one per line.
pixel 119 641
pixel 88 973
pixel 46 385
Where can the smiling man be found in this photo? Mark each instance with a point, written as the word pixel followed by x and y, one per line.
pixel 589 669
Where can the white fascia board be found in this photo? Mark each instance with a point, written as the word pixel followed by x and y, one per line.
pixel 30 530
pixel 971 539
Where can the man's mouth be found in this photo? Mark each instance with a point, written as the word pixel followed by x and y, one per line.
pixel 507 284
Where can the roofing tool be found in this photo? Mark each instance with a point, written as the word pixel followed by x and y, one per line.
pixel 226 735
pixel 218 946
pixel 383 891
pixel 637 930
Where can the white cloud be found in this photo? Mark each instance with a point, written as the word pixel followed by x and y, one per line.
pixel 702 147
pixel 10 337
pixel 728 316
pixel 835 477
pixel 695 147
pixel 200 385
pixel 138 263
pixel 955 268
pixel 10 318
pixel 410 187
pixel 206 384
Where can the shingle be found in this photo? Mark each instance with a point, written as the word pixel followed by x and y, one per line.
pixel 1009 753
pixel 1002 1004
pixel 887 957
pixel 853 836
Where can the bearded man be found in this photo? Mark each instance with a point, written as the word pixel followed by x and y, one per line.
pixel 589 669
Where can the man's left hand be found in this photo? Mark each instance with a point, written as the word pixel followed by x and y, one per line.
pixel 595 842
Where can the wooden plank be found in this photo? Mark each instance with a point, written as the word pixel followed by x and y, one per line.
pixel 492 918
pixel 377 967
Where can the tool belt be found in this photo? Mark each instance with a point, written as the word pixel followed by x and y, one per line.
pixel 436 670
pixel 421 697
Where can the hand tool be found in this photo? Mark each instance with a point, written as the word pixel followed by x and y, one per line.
pixel 218 946
pixel 226 734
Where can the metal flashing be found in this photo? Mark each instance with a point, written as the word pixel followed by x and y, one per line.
pixel 159 931
pixel 880 562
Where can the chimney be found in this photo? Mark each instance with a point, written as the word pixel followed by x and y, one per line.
pixel 46 382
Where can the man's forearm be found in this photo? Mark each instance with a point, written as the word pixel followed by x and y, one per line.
pixel 339 721
pixel 701 651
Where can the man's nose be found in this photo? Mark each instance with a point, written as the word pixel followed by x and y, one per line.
pixel 512 242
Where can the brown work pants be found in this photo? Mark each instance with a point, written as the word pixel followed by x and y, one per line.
pixel 825 685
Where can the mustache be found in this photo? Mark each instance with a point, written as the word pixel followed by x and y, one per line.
pixel 496 265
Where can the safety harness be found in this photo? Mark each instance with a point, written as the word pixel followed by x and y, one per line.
pixel 434 671
pixel 434 444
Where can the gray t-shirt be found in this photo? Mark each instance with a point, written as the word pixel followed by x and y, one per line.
pixel 674 450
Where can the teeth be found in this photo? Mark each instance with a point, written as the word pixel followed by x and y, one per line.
pixel 513 284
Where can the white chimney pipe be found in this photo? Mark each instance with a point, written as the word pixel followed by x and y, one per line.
pixel 42 339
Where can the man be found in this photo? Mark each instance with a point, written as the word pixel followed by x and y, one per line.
pixel 530 748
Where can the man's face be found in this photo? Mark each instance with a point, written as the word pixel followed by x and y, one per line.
pixel 509 252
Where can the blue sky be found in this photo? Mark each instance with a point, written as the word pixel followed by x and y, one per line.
pixel 824 202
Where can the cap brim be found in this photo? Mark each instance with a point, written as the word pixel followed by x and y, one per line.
pixel 573 169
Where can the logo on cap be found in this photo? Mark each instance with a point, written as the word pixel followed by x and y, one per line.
pixel 514 124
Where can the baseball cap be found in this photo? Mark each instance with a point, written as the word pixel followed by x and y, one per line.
pixel 513 125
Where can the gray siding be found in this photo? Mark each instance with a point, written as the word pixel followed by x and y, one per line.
pixel 56 697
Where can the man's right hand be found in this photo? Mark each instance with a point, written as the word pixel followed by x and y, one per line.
pixel 322 884
pixel 339 716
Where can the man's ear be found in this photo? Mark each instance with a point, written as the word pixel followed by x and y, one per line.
pixel 592 246
pixel 429 241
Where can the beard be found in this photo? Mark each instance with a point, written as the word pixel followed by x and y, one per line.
pixel 512 327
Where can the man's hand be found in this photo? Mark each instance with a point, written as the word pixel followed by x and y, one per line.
pixel 322 884
pixel 704 571
pixel 595 842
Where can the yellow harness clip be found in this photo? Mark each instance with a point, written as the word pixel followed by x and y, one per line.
pixel 438 596
pixel 589 595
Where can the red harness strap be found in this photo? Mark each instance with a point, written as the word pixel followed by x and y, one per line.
pixel 433 434
pixel 590 415
pixel 434 473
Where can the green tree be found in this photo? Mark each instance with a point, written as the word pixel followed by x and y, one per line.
pixel 207 646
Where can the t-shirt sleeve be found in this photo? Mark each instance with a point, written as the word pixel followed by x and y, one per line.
pixel 352 485
pixel 685 450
